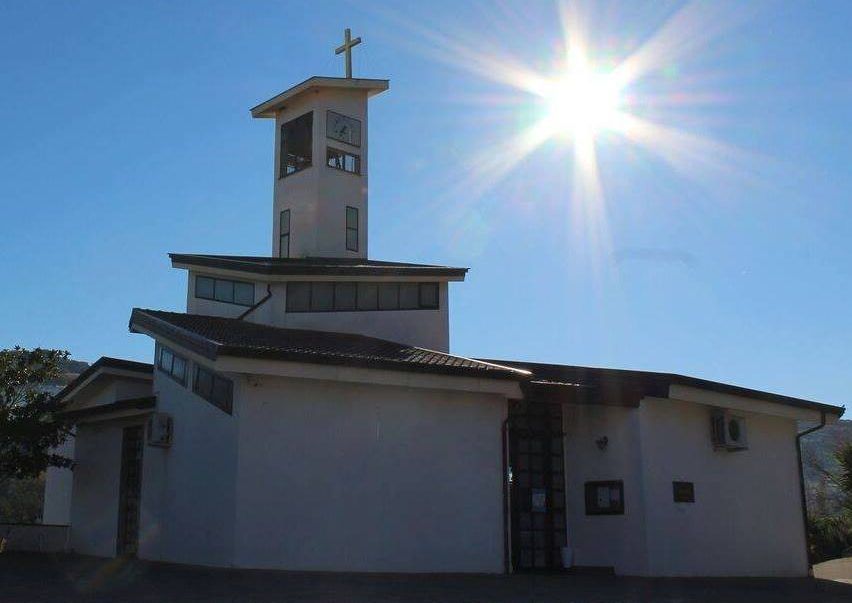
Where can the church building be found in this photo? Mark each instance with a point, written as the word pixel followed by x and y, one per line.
pixel 305 413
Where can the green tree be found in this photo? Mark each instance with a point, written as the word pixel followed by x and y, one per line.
pixel 831 533
pixel 29 427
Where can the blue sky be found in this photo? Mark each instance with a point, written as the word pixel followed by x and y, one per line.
pixel 125 134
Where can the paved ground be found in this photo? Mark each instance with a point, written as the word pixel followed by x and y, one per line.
pixel 836 569
pixel 43 578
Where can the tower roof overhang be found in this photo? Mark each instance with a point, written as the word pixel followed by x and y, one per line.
pixel 270 108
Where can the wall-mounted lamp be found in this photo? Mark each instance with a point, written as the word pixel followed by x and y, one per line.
pixel 602 442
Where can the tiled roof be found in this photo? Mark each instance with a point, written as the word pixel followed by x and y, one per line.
pixel 628 387
pixel 314 266
pixel 105 362
pixel 214 336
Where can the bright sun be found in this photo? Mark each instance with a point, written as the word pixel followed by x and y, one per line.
pixel 582 102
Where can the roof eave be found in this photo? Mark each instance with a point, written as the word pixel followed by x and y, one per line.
pixel 270 108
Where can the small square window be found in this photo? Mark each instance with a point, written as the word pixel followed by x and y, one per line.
pixel 298 297
pixel 409 296
pixel 388 296
pixel 368 296
pixel 179 369
pixel 204 287
pixel 224 291
pixel 428 295
pixel 345 296
pixel 605 498
pixel 322 297
pixel 683 492
pixel 244 293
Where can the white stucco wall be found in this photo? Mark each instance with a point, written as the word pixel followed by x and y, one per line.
pixel 317 196
pixel 58 483
pixel 746 519
pixel 349 477
pixel 425 328
pixel 604 540
pixel 188 489
pixel 96 479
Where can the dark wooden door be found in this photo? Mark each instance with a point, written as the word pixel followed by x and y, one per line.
pixel 537 486
pixel 130 490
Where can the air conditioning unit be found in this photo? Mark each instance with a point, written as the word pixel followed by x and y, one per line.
pixel 160 428
pixel 728 431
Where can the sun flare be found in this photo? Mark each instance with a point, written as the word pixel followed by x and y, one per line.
pixel 581 103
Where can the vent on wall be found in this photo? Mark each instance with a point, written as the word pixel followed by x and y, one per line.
pixel 728 431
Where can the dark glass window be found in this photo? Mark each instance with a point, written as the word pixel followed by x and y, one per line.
pixel 388 296
pixel 214 388
pixel 350 296
pixel 223 290
pixel 298 297
pixel 343 128
pixel 172 364
pixel 351 228
pixel 428 295
pixel 204 287
pixel 284 234
pixel 368 296
pixel 345 296
pixel 409 296
pixel 296 145
pixel 322 297
pixel 605 498
pixel 341 160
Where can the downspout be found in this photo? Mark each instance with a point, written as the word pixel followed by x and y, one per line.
pixel 258 304
pixel 507 564
pixel 804 500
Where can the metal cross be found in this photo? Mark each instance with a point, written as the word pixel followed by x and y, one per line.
pixel 348 43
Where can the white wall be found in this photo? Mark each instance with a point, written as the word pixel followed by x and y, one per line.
pixel 58 483
pixel 348 477
pixel 425 328
pixel 188 489
pixel 94 504
pixel 746 519
pixel 604 540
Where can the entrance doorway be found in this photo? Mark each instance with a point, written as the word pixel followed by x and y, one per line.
pixel 537 485
pixel 130 490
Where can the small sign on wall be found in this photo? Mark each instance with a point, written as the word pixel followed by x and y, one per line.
pixel 684 492
pixel 605 498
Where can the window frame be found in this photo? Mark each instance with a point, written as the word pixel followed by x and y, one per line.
pixel 356 229
pixel 282 147
pixel 329 151
pixel 281 234
pixel 328 114
pixel 592 507
pixel 233 290
pixel 307 305
pixel 226 407
pixel 170 371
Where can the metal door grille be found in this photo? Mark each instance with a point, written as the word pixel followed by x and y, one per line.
pixel 537 485
pixel 130 490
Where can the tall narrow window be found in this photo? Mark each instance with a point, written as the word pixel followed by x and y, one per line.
pixel 284 235
pixel 351 228
pixel 296 145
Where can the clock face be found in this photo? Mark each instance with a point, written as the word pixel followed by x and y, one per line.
pixel 343 128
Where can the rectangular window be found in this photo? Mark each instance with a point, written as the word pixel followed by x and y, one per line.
pixel 230 292
pixel 605 498
pixel 351 228
pixel 214 388
pixel 172 364
pixel 326 296
pixel 296 145
pixel 343 160
pixel 343 128
pixel 284 234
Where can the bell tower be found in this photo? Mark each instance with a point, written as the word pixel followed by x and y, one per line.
pixel 320 180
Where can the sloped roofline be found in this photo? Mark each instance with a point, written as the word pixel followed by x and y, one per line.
pixel 102 365
pixel 269 108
